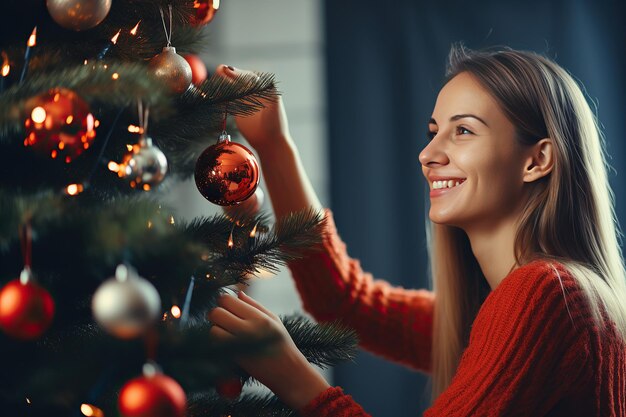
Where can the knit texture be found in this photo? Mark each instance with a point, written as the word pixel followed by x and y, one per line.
pixel 534 349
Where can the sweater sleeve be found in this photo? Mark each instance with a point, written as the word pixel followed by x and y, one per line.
pixel 393 322
pixel 528 348
pixel 333 403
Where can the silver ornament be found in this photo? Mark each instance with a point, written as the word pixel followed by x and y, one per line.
pixel 146 166
pixel 78 14
pixel 172 69
pixel 126 305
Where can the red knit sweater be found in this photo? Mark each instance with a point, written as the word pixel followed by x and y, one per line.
pixel 532 351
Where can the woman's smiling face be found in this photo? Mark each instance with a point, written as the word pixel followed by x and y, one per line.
pixel 473 144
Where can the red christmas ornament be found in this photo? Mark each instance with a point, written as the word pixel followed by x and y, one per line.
pixel 152 396
pixel 26 309
pixel 205 11
pixel 229 388
pixel 199 72
pixel 226 173
pixel 59 124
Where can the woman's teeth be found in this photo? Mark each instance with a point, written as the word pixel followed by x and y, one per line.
pixel 445 184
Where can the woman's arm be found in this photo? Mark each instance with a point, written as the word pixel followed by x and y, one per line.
pixel 391 321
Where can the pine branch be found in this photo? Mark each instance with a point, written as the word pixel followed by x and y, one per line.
pixel 205 106
pixel 144 47
pixel 324 344
pixel 248 405
pixel 289 239
pixel 181 136
pixel 68 364
pixel 105 233
pixel 15 210
pixel 92 82
pixel 124 15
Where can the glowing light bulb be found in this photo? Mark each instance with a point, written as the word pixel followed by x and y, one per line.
pixel 32 39
pixel 38 114
pixel 117 35
pixel 133 31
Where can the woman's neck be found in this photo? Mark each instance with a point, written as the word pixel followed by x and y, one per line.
pixel 493 247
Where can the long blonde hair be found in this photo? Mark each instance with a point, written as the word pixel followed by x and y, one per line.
pixel 569 216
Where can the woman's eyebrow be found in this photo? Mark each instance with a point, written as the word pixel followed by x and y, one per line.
pixel 460 116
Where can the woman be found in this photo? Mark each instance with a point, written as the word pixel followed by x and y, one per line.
pixel 528 311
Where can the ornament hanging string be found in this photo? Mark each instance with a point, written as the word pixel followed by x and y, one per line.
pixel 143 117
pixel 25 233
pixel 185 316
pixel 103 147
pixel 223 137
pixel 168 35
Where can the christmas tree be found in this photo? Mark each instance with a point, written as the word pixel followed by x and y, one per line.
pixel 104 292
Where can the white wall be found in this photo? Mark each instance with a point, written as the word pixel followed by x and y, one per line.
pixel 283 37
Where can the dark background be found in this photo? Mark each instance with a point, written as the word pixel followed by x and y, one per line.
pixel 385 66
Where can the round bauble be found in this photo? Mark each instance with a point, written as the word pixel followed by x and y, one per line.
pixel 171 69
pixel 152 396
pixel 59 124
pixel 145 166
pixel 78 14
pixel 199 72
pixel 205 11
pixel 226 173
pixel 126 305
pixel 26 309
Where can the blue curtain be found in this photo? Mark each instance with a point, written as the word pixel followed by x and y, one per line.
pixel 385 64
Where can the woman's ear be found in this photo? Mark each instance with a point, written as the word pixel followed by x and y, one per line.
pixel 540 160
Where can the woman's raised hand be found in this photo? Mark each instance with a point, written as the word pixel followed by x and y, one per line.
pixel 266 126
pixel 267 131
pixel 284 369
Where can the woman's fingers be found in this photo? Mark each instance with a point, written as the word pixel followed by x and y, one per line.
pixel 244 316
pixel 251 301
pixel 224 71
pixel 240 308
pixel 226 320
pixel 220 334
pixel 230 71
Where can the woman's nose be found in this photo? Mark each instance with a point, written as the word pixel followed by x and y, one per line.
pixel 433 153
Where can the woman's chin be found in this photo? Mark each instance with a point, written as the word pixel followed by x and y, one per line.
pixel 442 219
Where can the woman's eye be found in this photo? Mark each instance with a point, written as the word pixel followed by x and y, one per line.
pixel 460 130
pixel 430 135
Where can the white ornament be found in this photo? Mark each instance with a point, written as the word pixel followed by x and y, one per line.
pixel 126 305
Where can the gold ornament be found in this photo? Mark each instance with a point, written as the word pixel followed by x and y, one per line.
pixel 172 69
pixel 78 14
